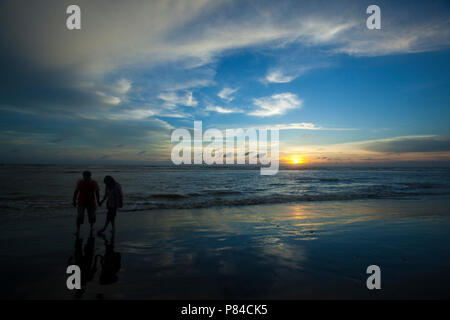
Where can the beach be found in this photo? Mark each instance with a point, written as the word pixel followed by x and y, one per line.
pixel 229 150
pixel 310 250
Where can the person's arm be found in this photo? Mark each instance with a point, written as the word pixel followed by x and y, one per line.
pixel 75 195
pixel 104 198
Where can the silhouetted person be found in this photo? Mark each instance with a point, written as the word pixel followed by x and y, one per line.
pixel 110 262
pixel 85 261
pixel 114 200
pixel 88 194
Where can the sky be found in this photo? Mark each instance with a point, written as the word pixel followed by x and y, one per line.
pixel 114 91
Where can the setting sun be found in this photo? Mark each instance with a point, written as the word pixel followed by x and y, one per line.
pixel 296 160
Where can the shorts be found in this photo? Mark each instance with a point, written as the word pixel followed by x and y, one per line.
pixel 90 211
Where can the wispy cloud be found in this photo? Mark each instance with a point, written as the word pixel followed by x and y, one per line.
pixel 227 94
pixel 146 35
pixel 122 86
pixel 132 114
pixel 174 33
pixel 405 148
pixel 219 109
pixel 277 76
pixel 419 37
pixel 298 126
pixel 407 144
pixel 142 60
pixel 288 69
pixel 294 126
pixel 173 99
pixel 276 104
pixel 108 99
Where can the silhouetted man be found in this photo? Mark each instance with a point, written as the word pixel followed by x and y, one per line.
pixel 88 195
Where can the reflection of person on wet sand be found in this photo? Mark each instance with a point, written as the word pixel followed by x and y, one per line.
pixel 85 261
pixel 110 262
pixel 114 200
pixel 85 195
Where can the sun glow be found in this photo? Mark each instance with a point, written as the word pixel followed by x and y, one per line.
pixel 296 160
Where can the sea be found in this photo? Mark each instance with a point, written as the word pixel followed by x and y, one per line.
pixel 41 191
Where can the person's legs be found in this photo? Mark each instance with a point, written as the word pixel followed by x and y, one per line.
pixel 113 219
pixel 92 217
pixel 106 225
pixel 80 218
pixel 106 222
pixel 110 217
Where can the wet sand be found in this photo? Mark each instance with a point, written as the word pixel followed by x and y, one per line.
pixel 298 251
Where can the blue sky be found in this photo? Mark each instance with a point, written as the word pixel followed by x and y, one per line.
pixel 114 91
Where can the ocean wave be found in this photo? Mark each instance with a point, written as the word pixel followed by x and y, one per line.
pixel 212 198
pixel 329 180
pixel 323 180
pixel 223 192
pixel 274 199
pixel 425 185
pixel 169 196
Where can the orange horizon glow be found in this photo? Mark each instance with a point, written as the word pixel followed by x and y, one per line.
pixel 296 160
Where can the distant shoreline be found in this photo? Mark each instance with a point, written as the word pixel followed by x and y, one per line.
pixel 343 166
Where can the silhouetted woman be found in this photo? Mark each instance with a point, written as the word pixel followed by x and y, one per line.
pixel 114 200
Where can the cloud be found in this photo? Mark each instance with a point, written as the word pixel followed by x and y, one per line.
pixel 430 143
pixel 74 138
pixel 276 104
pixel 226 94
pixel 127 48
pixel 132 114
pixel 289 69
pixel 407 148
pixel 122 86
pixel 219 109
pixel 298 126
pixel 135 61
pixel 420 37
pixel 109 99
pixel 295 126
pixel 173 99
pixel 149 33
pixel 199 30
pixel 277 76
